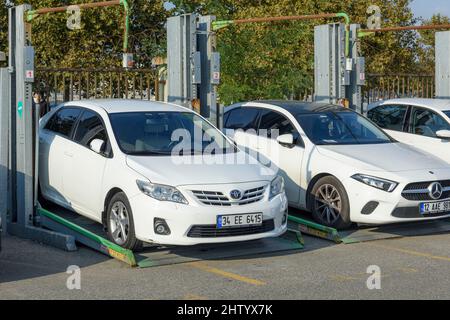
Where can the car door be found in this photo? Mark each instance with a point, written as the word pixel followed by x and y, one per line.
pixel 83 176
pixel 422 127
pixel 241 127
pixel 287 159
pixel 53 140
pixel 392 118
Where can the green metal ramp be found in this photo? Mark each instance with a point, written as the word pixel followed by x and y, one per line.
pixel 91 234
pixel 300 222
pixel 175 255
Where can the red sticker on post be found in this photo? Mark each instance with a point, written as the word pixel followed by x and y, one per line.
pixel 29 74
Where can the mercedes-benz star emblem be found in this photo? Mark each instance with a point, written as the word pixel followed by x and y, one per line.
pixel 435 190
pixel 235 194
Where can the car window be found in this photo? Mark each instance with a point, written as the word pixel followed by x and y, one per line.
pixel 425 122
pixel 447 113
pixel 62 122
pixel 162 133
pixel 271 121
pixel 90 127
pixel 342 127
pixel 242 118
pixel 389 117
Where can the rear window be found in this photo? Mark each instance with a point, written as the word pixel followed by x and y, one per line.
pixel 241 118
pixel 63 121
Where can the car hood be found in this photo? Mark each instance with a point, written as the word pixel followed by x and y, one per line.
pixel 198 169
pixel 391 157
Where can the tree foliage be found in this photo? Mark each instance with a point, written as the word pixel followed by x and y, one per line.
pixel 264 60
pixel 99 42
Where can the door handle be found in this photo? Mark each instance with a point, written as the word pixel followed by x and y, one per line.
pixel 69 154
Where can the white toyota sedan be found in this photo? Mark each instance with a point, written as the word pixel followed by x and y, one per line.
pixel 423 123
pixel 339 165
pixel 156 172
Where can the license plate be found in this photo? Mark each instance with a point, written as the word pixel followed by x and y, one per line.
pixel 435 207
pixel 251 219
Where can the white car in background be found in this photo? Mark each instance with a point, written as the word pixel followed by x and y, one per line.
pixel 113 161
pixel 339 165
pixel 423 123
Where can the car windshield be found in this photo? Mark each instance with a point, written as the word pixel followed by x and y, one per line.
pixel 167 133
pixel 340 127
pixel 447 113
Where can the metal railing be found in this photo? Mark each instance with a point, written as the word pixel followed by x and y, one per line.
pixel 67 84
pixel 381 86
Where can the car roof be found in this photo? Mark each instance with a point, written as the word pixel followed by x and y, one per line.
pixel 127 105
pixel 437 104
pixel 292 106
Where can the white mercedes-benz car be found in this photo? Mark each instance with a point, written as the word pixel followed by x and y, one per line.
pixel 423 123
pixel 339 165
pixel 156 172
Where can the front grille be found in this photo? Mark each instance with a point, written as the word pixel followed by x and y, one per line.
pixel 212 198
pixel 210 231
pixel 216 198
pixel 418 191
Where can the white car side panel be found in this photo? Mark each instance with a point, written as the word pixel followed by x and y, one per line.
pixel 280 158
pixel 51 166
pixel 83 179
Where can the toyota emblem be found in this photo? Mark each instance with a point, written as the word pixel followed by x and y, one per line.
pixel 435 190
pixel 235 194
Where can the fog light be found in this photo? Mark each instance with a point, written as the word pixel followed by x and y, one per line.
pixel 161 227
pixel 369 208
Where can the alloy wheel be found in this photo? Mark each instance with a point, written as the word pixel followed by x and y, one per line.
pixel 119 223
pixel 328 203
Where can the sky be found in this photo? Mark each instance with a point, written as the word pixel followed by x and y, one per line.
pixel 426 8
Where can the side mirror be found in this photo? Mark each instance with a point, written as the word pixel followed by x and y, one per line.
pixel 286 140
pixel 443 134
pixel 97 145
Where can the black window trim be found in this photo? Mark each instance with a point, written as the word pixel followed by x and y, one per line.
pixel 75 127
pixel 83 110
pixel 298 139
pixel 228 113
pixel 405 116
pixel 410 122
pixel 69 137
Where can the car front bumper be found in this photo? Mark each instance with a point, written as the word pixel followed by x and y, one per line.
pixel 182 218
pixel 392 206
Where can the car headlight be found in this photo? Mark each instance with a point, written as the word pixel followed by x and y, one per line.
pixel 276 186
pixel 379 183
pixel 161 192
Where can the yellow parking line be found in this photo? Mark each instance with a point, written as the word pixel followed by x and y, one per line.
pixel 412 252
pixel 226 274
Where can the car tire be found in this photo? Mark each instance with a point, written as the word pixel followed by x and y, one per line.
pixel 329 204
pixel 120 223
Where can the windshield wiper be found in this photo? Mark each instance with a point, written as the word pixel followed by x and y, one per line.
pixel 148 153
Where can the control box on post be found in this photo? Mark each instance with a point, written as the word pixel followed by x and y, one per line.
pixel 339 71
pixel 182 60
pixel 443 65
pixel 193 64
pixel 330 73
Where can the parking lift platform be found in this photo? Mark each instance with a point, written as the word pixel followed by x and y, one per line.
pixel 301 221
pixel 92 235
